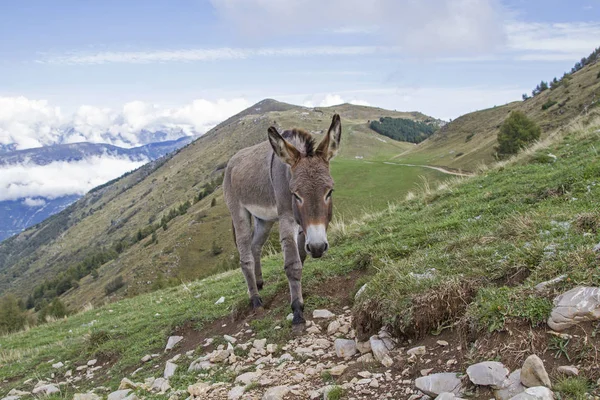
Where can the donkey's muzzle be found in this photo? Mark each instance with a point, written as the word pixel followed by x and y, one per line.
pixel 317 250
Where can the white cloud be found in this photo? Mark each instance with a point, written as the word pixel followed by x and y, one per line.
pixel 329 100
pixel 419 26
pixel 554 38
pixel 60 178
pixel 33 202
pixel 33 123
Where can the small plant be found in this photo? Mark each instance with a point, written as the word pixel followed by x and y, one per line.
pixel 335 393
pixel 575 387
pixel 114 285
pixel 559 346
pixel 327 377
pixel 216 249
pixel 213 202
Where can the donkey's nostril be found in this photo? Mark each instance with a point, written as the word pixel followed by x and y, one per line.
pixel 316 250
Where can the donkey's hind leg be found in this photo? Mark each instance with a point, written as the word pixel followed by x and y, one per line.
pixel 261 234
pixel 243 239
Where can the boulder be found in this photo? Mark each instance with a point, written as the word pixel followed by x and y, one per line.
pixel 577 305
pixel 488 373
pixel 119 394
pixel 533 373
pixel 535 393
pixel 511 387
pixel 378 347
pixel 435 384
pixel 172 341
pixel 170 369
pixel 276 393
pixel 345 348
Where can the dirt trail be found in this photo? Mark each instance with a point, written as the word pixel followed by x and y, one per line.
pixel 440 169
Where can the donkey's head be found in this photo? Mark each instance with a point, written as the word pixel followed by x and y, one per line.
pixel 311 184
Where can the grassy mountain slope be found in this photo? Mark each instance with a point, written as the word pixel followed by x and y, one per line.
pixel 469 140
pixel 115 212
pixel 463 258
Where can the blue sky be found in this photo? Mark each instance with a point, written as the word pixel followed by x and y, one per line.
pixel 441 57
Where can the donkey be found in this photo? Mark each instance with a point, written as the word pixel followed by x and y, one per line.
pixel 285 179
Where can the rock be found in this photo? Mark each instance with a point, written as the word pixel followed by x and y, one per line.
pixel 119 394
pixel 597 248
pixel 58 365
pixel 218 356
pixel 146 358
pixel 333 327
pixel 374 383
pixel 127 384
pixel 447 396
pixel 170 369
pixel 488 373
pixel 511 387
pixel 417 351
pixel 173 340
pixel 540 287
pixel 378 347
pixel 46 389
pixel 338 370
pixel 425 372
pixel 259 344
pixel 360 291
pixel 92 362
pixel 248 377
pixel 435 384
pixel 132 396
pixel 236 393
pixel 575 306
pixel 366 358
pixel 160 385
pixel 229 339
pixel 86 396
pixel 11 398
pixel 17 393
pixel 323 314
pixel 533 373
pixel 363 347
pixel 442 343
pixel 276 393
pixel 568 370
pixel 345 348
pixel 535 393
pixel 200 365
pixel 221 300
pixel 271 348
pixel 198 389
pixel 387 361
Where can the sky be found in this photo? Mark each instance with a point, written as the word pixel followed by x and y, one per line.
pixel 123 66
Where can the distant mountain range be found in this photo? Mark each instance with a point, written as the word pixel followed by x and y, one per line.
pixel 17 215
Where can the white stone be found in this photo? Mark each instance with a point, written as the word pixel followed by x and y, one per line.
pixel 84 396
pixel 488 373
pixel 170 369
pixel 535 393
pixel 221 300
pixel 46 389
pixel 435 384
pixel 92 362
pixel 259 344
pixel 345 348
pixel 276 393
pixel 338 370
pixel 577 305
pixel 229 339
pixel 511 387
pixel 173 340
pixel 119 394
pixel 363 347
pixel 378 347
pixel 236 393
pixel 146 358
pixel 417 351
pixel 248 377
pixel 533 373
pixel 568 370
pixel 333 327
pixel 323 314
pixel 58 365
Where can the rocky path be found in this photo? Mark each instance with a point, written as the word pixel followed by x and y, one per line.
pixel 440 169
pixel 329 362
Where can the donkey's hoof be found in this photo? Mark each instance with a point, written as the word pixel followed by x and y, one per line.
pixel 256 302
pixel 259 285
pixel 298 329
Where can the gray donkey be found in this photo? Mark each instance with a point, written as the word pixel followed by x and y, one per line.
pixel 285 179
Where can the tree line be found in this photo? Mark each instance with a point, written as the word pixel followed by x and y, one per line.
pixel 402 129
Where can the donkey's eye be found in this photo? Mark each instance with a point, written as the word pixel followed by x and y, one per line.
pixel 328 196
pixel 297 197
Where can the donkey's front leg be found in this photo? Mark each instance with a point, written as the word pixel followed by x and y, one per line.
pixel 288 230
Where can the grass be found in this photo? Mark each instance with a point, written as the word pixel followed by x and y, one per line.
pixel 478 246
pixel 335 393
pixel 572 388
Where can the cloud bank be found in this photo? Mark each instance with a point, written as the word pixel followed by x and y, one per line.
pixel 60 178
pixel 31 123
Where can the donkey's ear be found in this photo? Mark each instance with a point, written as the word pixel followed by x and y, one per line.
pixel 330 144
pixel 284 150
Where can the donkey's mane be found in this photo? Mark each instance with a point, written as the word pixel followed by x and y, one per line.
pixel 302 140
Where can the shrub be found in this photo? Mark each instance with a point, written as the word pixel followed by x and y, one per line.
pixel 114 285
pixel 516 132
pixel 403 129
pixel 216 249
pixel 12 316
pixel 56 309
pixel 548 104
pixel 598 76
pixel 213 202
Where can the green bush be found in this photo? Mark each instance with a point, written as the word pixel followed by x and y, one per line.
pixel 516 132
pixel 114 285
pixel 213 202
pixel 12 315
pixel 548 104
pixel 403 129
pixel 56 309
pixel 216 249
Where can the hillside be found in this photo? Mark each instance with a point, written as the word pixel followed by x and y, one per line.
pixel 117 229
pixel 469 140
pixel 457 275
